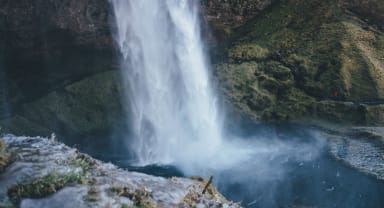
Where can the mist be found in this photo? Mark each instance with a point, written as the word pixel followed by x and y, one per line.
pixel 177 126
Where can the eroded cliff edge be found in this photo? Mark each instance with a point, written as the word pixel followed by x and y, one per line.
pixel 41 172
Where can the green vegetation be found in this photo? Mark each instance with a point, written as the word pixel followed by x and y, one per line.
pixel 52 182
pixel 81 160
pixel 4 157
pixel 139 196
pixel 43 186
pixel 285 62
pixel 93 195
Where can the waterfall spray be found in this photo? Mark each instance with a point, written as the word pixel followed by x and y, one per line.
pixel 175 118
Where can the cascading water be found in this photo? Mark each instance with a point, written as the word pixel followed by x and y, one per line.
pixel 175 118
pixel 174 113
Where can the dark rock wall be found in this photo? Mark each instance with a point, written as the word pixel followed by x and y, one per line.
pixel 49 43
pixel 46 48
pixel 369 10
pixel 224 15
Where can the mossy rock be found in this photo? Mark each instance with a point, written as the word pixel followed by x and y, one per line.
pixel 140 197
pixel 89 105
pixel 21 126
pixel 248 52
pixel 375 115
pixel 304 58
pixel 4 157
pixel 338 112
pixel 42 187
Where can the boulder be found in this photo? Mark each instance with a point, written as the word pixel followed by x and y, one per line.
pixel 46 173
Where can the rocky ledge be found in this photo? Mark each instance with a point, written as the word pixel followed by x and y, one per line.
pixel 361 148
pixel 40 172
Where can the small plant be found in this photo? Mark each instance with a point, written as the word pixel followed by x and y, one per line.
pixel 140 197
pixel 93 195
pixel 117 189
pixel 81 161
pixel 125 206
pixel 4 157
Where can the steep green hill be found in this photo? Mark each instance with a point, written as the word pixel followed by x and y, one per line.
pixel 305 60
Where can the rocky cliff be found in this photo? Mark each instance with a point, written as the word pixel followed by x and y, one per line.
pixel 279 60
pixel 45 44
pixel 58 53
pixel 307 61
pixel 371 11
pixel 45 173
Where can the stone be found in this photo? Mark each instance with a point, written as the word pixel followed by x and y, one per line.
pixel 40 169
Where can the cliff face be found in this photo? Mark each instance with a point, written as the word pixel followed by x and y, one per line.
pixel 223 15
pixel 46 48
pixel 48 43
pixel 275 60
pixel 307 60
pixel 370 10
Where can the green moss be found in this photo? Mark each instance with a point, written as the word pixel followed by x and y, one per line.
pixel 248 52
pixel 4 157
pixel 81 160
pixel 375 115
pixel 52 182
pixel 342 113
pixel 42 187
pixel 92 195
pixel 298 53
pixel 19 125
pixel 87 106
pixel 125 206
pixel 140 197
pixel 117 189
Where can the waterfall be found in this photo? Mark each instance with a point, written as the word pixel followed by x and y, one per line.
pixel 174 113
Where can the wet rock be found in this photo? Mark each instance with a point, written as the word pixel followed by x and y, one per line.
pixel 361 148
pixel 45 173
pixel 46 44
pixel 89 105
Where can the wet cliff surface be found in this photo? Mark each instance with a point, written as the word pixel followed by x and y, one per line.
pixel 57 49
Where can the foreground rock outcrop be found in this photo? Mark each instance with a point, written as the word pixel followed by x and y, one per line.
pixel 45 173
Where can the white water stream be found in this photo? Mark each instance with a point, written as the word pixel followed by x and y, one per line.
pixel 175 115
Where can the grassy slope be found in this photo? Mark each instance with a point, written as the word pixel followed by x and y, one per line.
pixel 300 59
